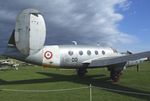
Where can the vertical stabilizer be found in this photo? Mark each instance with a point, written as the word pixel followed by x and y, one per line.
pixel 30 31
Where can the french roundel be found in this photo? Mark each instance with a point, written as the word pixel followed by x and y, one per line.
pixel 48 55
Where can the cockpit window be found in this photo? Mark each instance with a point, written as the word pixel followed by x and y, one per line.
pixel 114 50
pixel 70 53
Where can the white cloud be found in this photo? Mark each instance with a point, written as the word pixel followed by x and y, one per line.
pixel 125 5
pixel 86 21
pixel 95 19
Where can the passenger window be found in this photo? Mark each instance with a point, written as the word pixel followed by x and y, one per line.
pixel 96 52
pixel 70 53
pixel 103 52
pixel 89 52
pixel 81 52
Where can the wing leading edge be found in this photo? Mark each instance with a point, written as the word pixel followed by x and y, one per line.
pixel 99 62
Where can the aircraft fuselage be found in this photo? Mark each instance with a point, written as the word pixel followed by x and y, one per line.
pixel 69 55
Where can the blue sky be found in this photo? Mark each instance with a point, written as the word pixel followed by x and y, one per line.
pixel 136 22
pixel 122 24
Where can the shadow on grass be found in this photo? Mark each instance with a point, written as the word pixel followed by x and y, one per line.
pixel 100 81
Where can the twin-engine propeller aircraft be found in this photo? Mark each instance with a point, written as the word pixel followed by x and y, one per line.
pixel 27 44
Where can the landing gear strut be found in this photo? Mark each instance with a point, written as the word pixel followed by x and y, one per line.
pixel 81 71
pixel 116 71
pixel 115 75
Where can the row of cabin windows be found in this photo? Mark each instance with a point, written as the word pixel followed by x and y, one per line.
pixel 88 52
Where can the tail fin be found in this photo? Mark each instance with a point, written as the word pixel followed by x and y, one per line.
pixel 30 32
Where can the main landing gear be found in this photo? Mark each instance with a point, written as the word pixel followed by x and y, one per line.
pixel 116 71
pixel 115 75
pixel 81 71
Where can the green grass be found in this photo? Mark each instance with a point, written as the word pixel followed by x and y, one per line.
pixel 37 78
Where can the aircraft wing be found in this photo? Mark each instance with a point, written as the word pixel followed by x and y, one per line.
pixel 99 62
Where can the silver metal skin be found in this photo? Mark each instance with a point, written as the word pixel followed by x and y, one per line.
pixel 81 54
pixel 76 59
